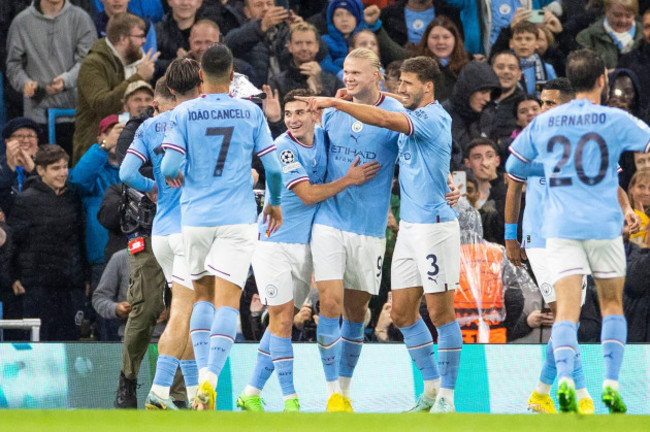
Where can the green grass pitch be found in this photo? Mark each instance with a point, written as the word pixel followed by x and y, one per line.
pixel 147 421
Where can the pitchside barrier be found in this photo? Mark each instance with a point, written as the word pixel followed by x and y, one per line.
pixel 492 378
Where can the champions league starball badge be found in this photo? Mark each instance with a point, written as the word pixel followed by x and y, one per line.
pixel 357 126
pixel 287 157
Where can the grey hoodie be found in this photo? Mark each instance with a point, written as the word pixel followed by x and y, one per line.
pixel 40 48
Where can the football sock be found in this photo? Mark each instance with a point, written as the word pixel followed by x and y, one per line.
pixel 613 336
pixel 419 344
pixel 328 335
pixel 222 336
pixel 578 374
pixel 351 344
pixel 282 355
pixel 549 372
pixel 450 343
pixel 200 323
pixel 164 378
pixel 263 367
pixel 191 377
pixel 565 345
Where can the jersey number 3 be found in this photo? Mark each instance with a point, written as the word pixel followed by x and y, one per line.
pixel 555 180
pixel 226 133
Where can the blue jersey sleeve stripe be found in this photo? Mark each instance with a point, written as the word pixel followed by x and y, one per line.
pixel 294 182
pixel 138 154
pixel 517 155
pixel 516 178
pixel 267 150
pixel 411 127
pixel 179 149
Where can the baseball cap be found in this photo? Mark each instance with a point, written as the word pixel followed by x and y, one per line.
pixel 107 122
pixel 135 86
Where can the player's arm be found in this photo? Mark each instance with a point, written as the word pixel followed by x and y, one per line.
pixel 130 171
pixel 171 163
pixel 273 171
pixel 632 220
pixel 311 194
pixel 513 206
pixel 368 114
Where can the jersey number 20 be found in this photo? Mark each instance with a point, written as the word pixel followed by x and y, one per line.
pixel 556 180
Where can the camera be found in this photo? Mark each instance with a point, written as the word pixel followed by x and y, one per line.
pixel 137 211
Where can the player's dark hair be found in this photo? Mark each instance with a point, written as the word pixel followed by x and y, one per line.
pixel 162 91
pixel 480 141
pixel 291 96
pixel 217 61
pixel 563 86
pixel 426 68
pixel 525 98
pixel 49 154
pixel 524 27
pixel 504 52
pixel 121 25
pixel 583 67
pixel 182 75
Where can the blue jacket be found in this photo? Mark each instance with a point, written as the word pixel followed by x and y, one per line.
pixel 336 42
pixel 92 175
pixel 474 22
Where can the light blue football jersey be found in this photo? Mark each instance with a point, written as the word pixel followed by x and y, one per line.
pixel 579 144
pixel 218 134
pixel 299 163
pixel 147 145
pixel 424 155
pixel 359 209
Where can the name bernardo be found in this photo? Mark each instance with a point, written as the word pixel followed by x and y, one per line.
pixel 577 120
pixel 222 114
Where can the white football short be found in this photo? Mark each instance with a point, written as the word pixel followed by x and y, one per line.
pixel 224 251
pixel 603 259
pixel 353 258
pixel 537 257
pixel 427 256
pixel 170 254
pixel 282 272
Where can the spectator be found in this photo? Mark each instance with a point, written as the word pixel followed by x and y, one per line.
pixel 138 96
pixel 615 34
pixel 11 303
pixel 484 19
pixel 112 64
pixel 535 72
pixel 482 159
pixel 304 71
pixel 444 43
pixel 506 66
pixel 638 60
pixel 109 299
pixel 625 92
pixel 227 14
pixel 20 142
pixel 525 111
pixel 94 173
pixel 113 7
pixel 641 160
pixel 306 320
pixel 109 216
pixel 405 20
pixel 152 10
pixel 636 295
pixel 535 323
pixel 387 49
pixel 391 76
pixel 47 225
pixel 173 32
pixel 639 195
pixel 47 43
pixel 344 19
pixel 470 103
pixel 13 100
pixel 261 40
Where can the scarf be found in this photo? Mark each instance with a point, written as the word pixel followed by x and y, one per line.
pixel 624 41
pixel 534 61
pixel 444 61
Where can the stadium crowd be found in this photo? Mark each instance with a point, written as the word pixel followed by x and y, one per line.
pixel 63 254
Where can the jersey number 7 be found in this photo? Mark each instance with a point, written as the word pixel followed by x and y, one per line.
pixel 226 133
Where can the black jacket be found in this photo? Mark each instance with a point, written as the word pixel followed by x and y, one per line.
pixel 169 39
pixel 505 122
pixel 48 238
pixel 292 79
pixel 636 296
pixel 394 21
pixel 638 60
pixel 110 216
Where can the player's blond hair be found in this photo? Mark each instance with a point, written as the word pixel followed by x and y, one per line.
pixel 367 55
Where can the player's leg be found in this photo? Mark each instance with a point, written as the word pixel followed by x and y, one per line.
pixel 281 321
pixel 355 307
pixel 190 371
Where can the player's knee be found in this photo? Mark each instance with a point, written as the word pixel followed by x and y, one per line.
pixel 331 306
pixel 441 316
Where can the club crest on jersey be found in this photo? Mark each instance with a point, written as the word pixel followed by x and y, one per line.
pixel 357 126
pixel 271 291
pixel 287 157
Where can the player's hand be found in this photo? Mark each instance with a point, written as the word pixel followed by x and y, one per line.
pixel 632 221
pixel 453 195
pixel 371 15
pixel 175 182
pixel 515 253
pixel 123 309
pixel 318 102
pixel 29 89
pixel 552 22
pixel 273 17
pixel 18 288
pixel 55 87
pixel 392 223
pixel 342 93
pixel 358 174
pixel 520 15
pixel 153 193
pixel 272 108
pixel 272 214
pixel 147 66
